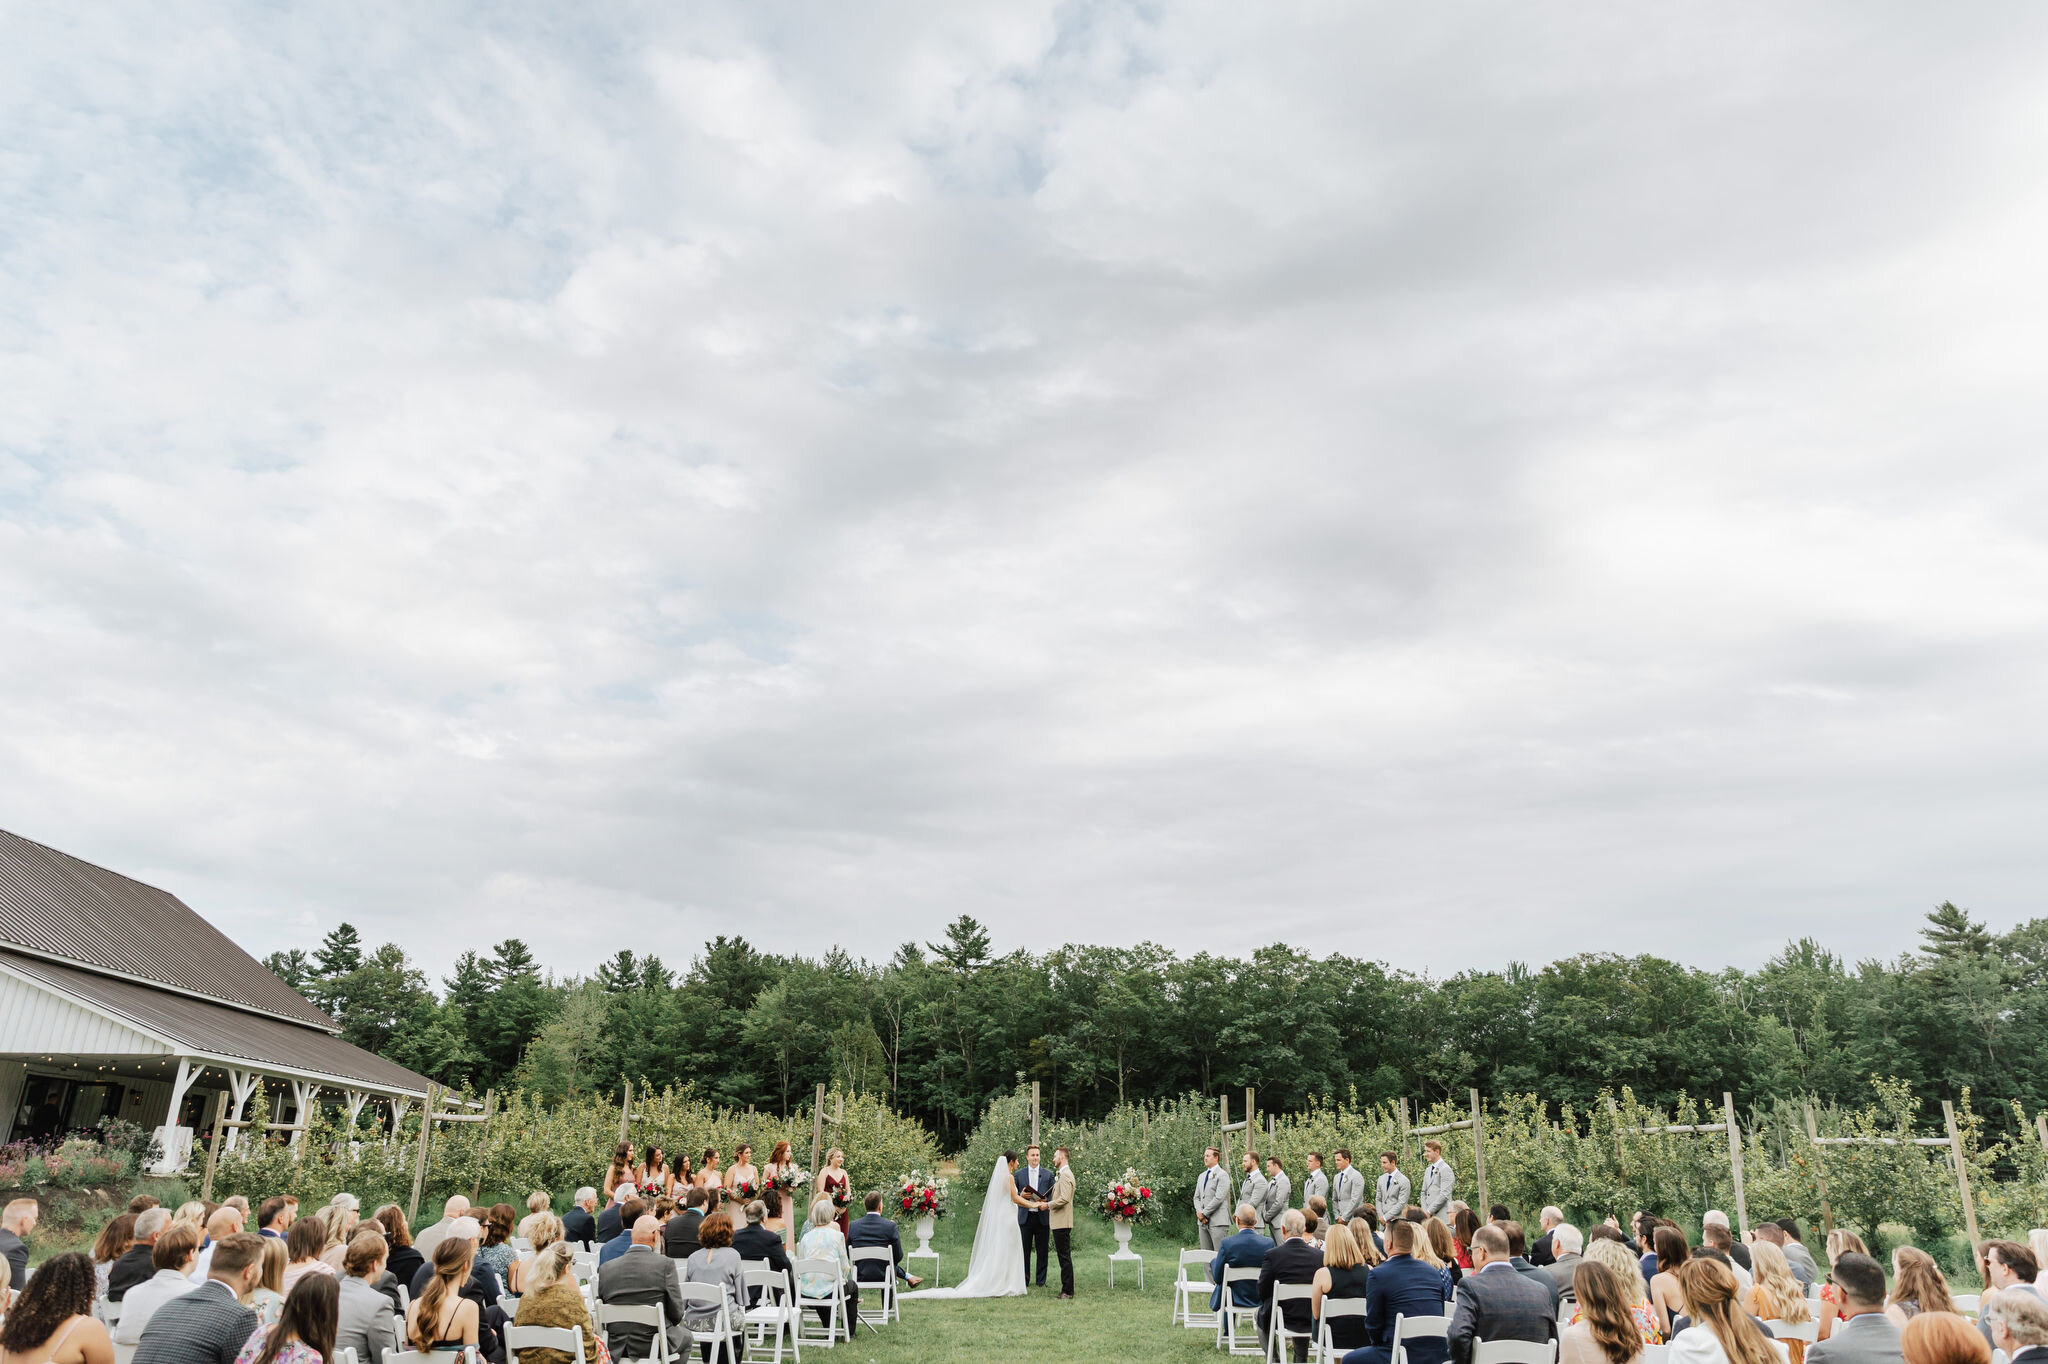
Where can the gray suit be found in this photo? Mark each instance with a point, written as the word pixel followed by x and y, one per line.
pixel 1253 1191
pixel 1561 1270
pixel 1212 1205
pixel 1500 1304
pixel 1438 1180
pixel 1347 1194
pixel 1390 1193
pixel 1867 1338
pixel 1278 1192
pixel 365 1322
pixel 643 1277
pixel 1315 1184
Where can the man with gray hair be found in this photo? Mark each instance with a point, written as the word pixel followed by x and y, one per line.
pixel 2018 1325
pixel 1568 1245
pixel 1541 1253
pixel 137 1266
pixel 1294 1260
pixel 1737 1251
pixel 580 1222
pixel 1244 1248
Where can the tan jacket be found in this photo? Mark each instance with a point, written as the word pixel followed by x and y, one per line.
pixel 1060 1207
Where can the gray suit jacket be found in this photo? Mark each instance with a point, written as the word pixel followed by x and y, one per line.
pixel 1253 1191
pixel 1347 1195
pixel 365 1322
pixel 1212 1196
pixel 1500 1304
pixel 205 1326
pixel 1390 1193
pixel 641 1277
pixel 1315 1184
pixel 1869 1338
pixel 1278 1192
pixel 1561 1270
pixel 1438 1180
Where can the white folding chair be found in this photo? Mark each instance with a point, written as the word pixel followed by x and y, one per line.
pixel 1656 1354
pixel 416 1357
pixel 834 1303
pixel 1185 1289
pixel 1237 1327
pixel 772 1311
pixel 1408 1328
pixel 885 1291
pixel 1966 1303
pixel 404 1302
pixel 724 1331
pixel 1334 1309
pixel 607 1316
pixel 1514 1352
pixel 510 1302
pixel 1808 1331
pixel 110 1313
pixel 519 1338
pixel 125 1354
pixel 521 1244
pixel 347 1354
pixel 1280 1331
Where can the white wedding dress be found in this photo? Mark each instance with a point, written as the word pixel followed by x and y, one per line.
pixel 996 1268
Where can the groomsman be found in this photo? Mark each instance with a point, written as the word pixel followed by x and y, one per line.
pixel 1315 1184
pixel 1253 1190
pixel 1349 1191
pixel 1212 1199
pixel 1437 1181
pixel 1390 1195
pixel 1279 1189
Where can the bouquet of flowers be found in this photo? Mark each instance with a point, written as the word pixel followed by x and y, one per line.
pixel 743 1192
pixel 1126 1200
pixel 922 1195
pixel 842 1196
pixel 790 1179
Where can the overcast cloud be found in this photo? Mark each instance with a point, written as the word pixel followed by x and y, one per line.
pixel 1448 484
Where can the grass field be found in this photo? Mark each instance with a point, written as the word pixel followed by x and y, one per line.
pixel 1101 1323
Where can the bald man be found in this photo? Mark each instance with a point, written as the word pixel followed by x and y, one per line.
pixel 642 1276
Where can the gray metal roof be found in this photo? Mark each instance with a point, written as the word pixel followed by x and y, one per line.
pixel 196 1025
pixel 53 904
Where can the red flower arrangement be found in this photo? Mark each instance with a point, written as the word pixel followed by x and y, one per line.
pixel 1126 1200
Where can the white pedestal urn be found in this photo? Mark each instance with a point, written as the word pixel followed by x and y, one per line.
pixel 1123 1237
pixel 924 1236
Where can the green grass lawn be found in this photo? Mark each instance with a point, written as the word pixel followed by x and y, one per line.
pixel 1101 1323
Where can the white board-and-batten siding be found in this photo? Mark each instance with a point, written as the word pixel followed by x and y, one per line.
pixel 37 1022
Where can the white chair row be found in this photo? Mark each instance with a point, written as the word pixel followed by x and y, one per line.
pixel 1808 1330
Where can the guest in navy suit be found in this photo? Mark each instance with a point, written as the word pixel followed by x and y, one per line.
pixel 1034 1188
pixel 1402 1286
pixel 1242 1249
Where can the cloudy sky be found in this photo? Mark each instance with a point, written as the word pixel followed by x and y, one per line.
pixel 1450 484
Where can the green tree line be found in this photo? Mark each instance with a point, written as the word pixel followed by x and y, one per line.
pixel 941 1029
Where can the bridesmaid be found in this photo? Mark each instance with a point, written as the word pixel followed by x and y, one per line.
pixel 655 1175
pixel 743 1172
pixel 621 1171
pixel 685 1178
pixel 834 1183
pixel 709 1176
pixel 779 1164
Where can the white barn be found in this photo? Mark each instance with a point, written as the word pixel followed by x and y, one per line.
pixel 117 999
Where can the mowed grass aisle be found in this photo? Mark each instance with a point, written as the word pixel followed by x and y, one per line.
pixel 1101 1323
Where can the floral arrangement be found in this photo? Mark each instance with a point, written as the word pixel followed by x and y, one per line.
pixel 923 1195
pixel 743 1192
pixel 790 1179
pixel 1126 1200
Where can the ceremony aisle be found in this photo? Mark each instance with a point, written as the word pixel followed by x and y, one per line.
pixel 1100 1323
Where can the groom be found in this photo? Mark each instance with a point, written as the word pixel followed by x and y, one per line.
pixel 1035 1185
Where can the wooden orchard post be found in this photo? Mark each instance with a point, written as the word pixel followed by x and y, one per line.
pixel 817 1129
pixel 1820 1177
pixel 215 1133
pixel 626 1112
pixel 1479 1148
pixel 419 1164
pixel 1223 1133
pixel 1251 1128
pixel 490 1111
pixel 1034 1112
pixel 1955 1146
pixel 1735 1161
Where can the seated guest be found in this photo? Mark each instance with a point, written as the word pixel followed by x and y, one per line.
pixel 138 1264
pixel 1543 1250
pixel 1721 1332
pixel 641 1276
pixel 755 1243
pixel 1517 1246
pixel 1946 1338
pixel 1737 1251
pixel 1496 1303
pixel 496 1253
pixel 1292 1260
pixel 1606 1329
pixel 552 1298
pixel 177 1248
pixel 274 1217
pixel 1566 1247
pixel 1403 1285
pixel 267 1297
pixel 479 1287
pixel 116 1238
pixel 1774 1295
pixel 1343 1277
pixel 443 1316
pixel 630 1213
pixel 212 1323
pixel 52 1319
pixel 304 1333
pixel 363 1312
pixel 715 1262
pixel 613 1222
pixel 303 1243
pixel 871 1230
pixel 1864 1335
pixel 543 1229
pixel 579 1224
pixel 679 1237
pixel 824 1241
pixel 402 1258
pixel 1613 1252
pixel 1244 1248
pixel 224 1222
pixel 1917 1286
pixel 429 1237
pixel 1718 1238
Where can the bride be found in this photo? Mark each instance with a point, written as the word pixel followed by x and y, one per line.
pixel 996 1268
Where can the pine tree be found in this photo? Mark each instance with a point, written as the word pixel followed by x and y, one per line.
pixel 1951 934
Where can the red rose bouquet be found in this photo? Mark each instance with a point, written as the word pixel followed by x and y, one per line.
pixel 1128 1199
pixel 921 1195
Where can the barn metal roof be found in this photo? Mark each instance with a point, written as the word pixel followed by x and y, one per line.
pixel 207 1029
pixel 54 905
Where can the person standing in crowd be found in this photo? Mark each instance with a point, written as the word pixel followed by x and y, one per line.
pixel 1439 1181
pixel 617 1175
pixel 1944 1338
pixel 52 1321
pixel 1864 1335
pixel 552 1299
pixel 654 1177
pixel 579 1224
pixel 1060 1216
pixel 176 1250
pixel 743 1180
pixel 304 1333
pixel 363 1312
pixel 1253 1189
pixel 1315 1184
pixel 1347 1190
pixel 837 1185
pixel 1496 1303
pixel 781 1163
pixel 1279 1190
pixel 1604 1330
pixel 1390 1193
pixel 212 1323
pixel 710 1178
pixel 17 1220
pixel 1212 1197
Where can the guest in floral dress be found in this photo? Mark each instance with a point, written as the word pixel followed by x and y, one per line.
pixel 266 1300
pixel 1629 1273
pixel 304 1330
pixel 824 1241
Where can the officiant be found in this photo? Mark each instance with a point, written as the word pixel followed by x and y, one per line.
pixel 1034 1192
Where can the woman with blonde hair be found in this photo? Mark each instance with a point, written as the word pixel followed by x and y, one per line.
pixel 440 1318
pixel 543 1229
pixel 195 1213
pixel 2037 1241
pixel 1721 1332
pixel 1943 1338
pixel 1433 1248
pixel 1917 1286
pixel 1368 1249
pixel 551 1298
pixel 1343 1275
pixel 1606 1327
pixel 1841 1241
pixel 1775 1295
pixel 1628 1278
pixel 267 1298
pixel 341 1229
